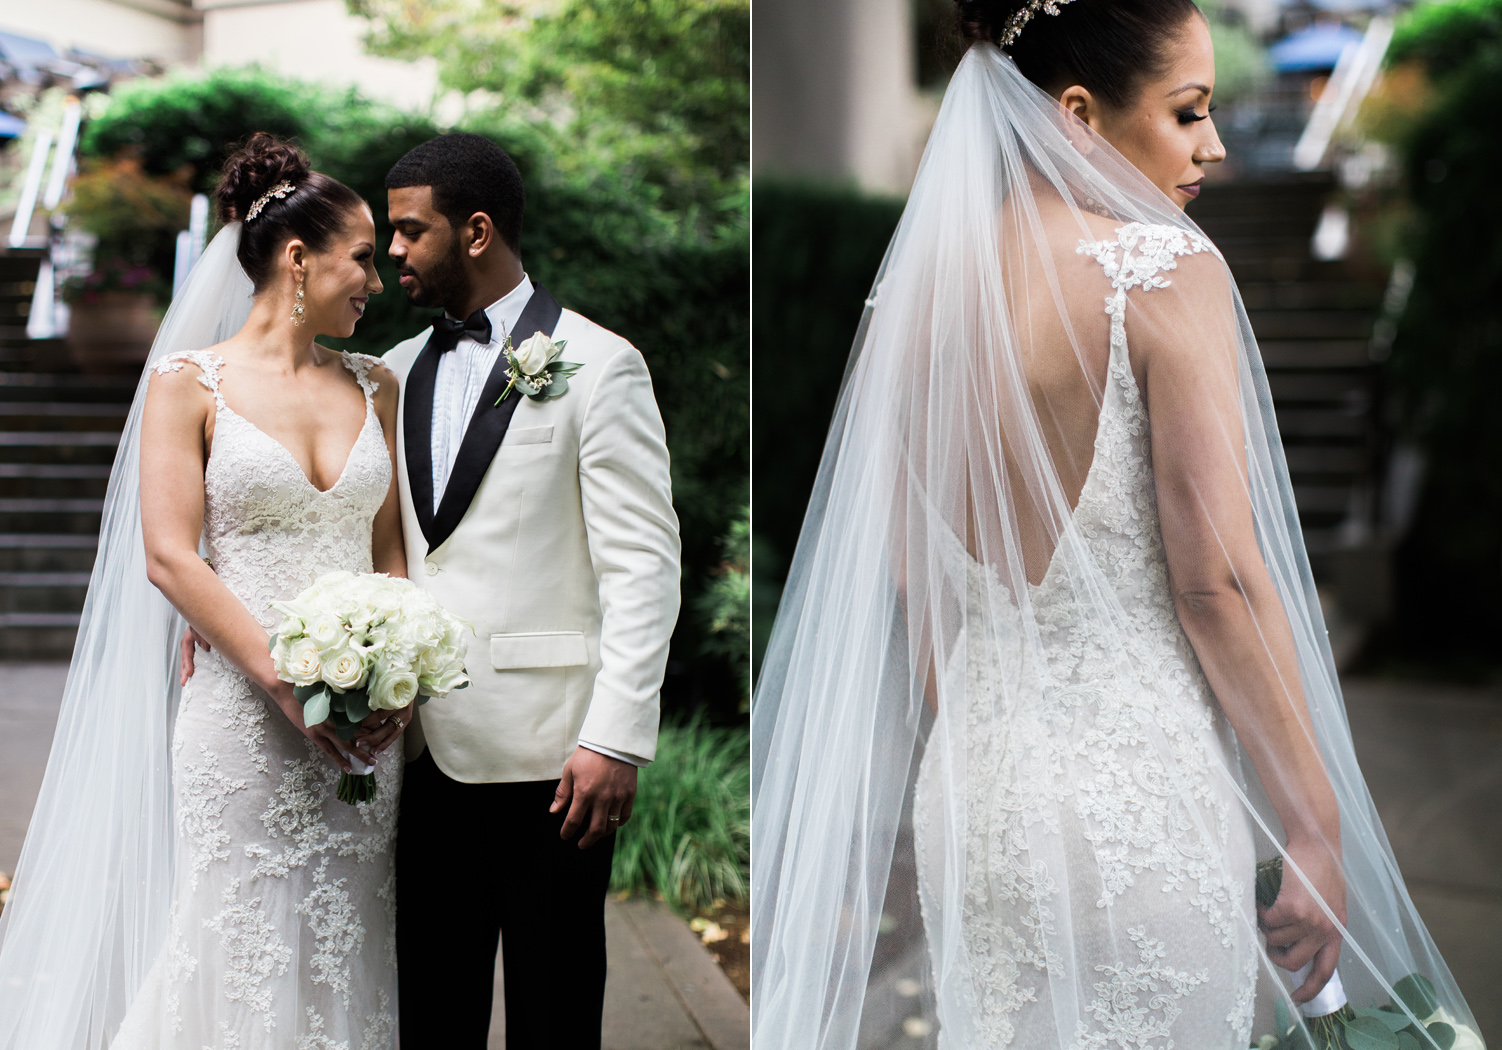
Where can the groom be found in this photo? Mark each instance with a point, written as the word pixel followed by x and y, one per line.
pixel 547 522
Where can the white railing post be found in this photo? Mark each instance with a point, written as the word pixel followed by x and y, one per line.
pixel 1355 72
pixel 26 207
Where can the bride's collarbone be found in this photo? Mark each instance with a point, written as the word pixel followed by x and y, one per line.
pixel 316 415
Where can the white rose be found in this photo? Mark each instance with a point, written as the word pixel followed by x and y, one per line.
pixel 301 665
pixel 327 631
pixel 343 668
pixel 535 353
pixel 393 689
pixel 444 679
pixel 1466 1037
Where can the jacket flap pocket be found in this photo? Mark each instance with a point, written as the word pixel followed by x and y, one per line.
pixel 528 435
pixel 538 649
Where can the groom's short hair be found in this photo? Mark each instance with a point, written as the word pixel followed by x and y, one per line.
pixel 468 173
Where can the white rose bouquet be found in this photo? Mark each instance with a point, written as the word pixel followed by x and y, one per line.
pixel 351 644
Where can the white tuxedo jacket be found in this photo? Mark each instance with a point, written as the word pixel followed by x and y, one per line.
pixel 559 543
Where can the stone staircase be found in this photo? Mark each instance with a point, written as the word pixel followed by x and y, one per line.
pixel 1313 321
pixel 58 433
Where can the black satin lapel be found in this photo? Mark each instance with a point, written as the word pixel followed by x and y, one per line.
pixel 417 427
pixel 487 427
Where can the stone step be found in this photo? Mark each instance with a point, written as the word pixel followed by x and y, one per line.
pixel 96 447
pixel 43 552
pixel 1311 295
pixel 43 592
pixel 1324 354
pixel 1350 389
pixel 75 516
pixel 50 416
pixel 37 636
pixel 1321 423
pixel 52 386
pixel 1311 324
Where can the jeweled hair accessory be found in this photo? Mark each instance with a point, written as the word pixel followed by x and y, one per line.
pixel 281 189
pixel 1025 15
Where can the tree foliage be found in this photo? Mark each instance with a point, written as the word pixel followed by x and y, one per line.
pixel 659 88
pixel 1447 354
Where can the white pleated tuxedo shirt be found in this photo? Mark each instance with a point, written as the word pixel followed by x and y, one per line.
pixel 457 386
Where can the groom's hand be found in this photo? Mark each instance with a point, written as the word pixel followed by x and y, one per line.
pixel 594 789
pixel 185 668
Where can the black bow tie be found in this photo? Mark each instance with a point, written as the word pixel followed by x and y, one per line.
pixel 446 331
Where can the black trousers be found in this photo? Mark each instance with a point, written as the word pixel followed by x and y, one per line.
pixel 477 862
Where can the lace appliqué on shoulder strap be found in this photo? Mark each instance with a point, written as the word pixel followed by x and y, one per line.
pixel 208 364
pixel 360 365
pixel 1147 251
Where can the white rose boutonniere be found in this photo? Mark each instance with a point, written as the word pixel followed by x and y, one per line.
pixel 535 369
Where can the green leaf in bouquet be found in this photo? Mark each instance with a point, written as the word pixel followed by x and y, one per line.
pixel 271 643
pixel 304 693
pixel 1417 993
pixel 1442 1034
pixel 347 730
pixel 357 705
pixel 316 710
pixel 1395 1022
pixel 1407 1040
pixel 1368 1033
pixel 1281 1018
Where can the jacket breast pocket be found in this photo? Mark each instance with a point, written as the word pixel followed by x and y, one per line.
pixel 514 652
pixel 528 436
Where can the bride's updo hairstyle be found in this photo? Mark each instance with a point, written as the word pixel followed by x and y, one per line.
pixel 1108 47
pixel 315 210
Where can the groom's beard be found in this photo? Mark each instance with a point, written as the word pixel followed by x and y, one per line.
pixel 445 284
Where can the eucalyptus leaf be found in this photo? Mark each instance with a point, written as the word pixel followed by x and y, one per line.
pixel 316 710
pixel 1395 1022
pixel 357 705
pixel 1281 1018
pixel 1406 1041
pixel 346 731
pixel 558 387
pixel 1368 1033
pixel 304 692
pixel 1417 993
pixel 1442 1034
pixel 337 703
pixel 271 643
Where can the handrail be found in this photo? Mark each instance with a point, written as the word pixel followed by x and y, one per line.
pixel 1355 72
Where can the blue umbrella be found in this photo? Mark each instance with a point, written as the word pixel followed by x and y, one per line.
pixel 1315 47
pixel 11 127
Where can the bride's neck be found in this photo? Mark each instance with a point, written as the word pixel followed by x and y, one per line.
pixel 270 337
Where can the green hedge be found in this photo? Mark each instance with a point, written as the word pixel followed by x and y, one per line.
pixel 593 238
pixel 1447 357
pixel 817 249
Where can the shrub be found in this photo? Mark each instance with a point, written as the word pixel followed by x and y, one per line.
pixel 689 836
pixel 817 252
pixel 1447 354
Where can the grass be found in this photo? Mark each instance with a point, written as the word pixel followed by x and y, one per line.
pixel 689 836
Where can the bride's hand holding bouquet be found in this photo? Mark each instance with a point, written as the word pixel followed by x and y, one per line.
pixel 353 645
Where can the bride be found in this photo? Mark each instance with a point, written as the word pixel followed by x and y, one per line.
pixel 1051 599
pixel 189 878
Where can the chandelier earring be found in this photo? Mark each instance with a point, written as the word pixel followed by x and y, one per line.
pixel 299 314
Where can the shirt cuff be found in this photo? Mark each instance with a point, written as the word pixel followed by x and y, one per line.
pixel 619 756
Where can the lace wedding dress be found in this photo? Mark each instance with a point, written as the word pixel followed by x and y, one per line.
pixel 281 934
pixel 1066 790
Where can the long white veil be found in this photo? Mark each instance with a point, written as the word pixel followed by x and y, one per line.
pixel 967 697
pixel 88 911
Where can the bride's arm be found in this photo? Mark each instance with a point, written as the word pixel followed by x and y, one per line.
pixel 388 548
pixel 173 427
pixel 1184 341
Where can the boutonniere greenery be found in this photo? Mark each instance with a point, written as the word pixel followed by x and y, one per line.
pixel 535 369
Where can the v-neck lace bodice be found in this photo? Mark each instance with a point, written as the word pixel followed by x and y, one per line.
pixel 268 530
